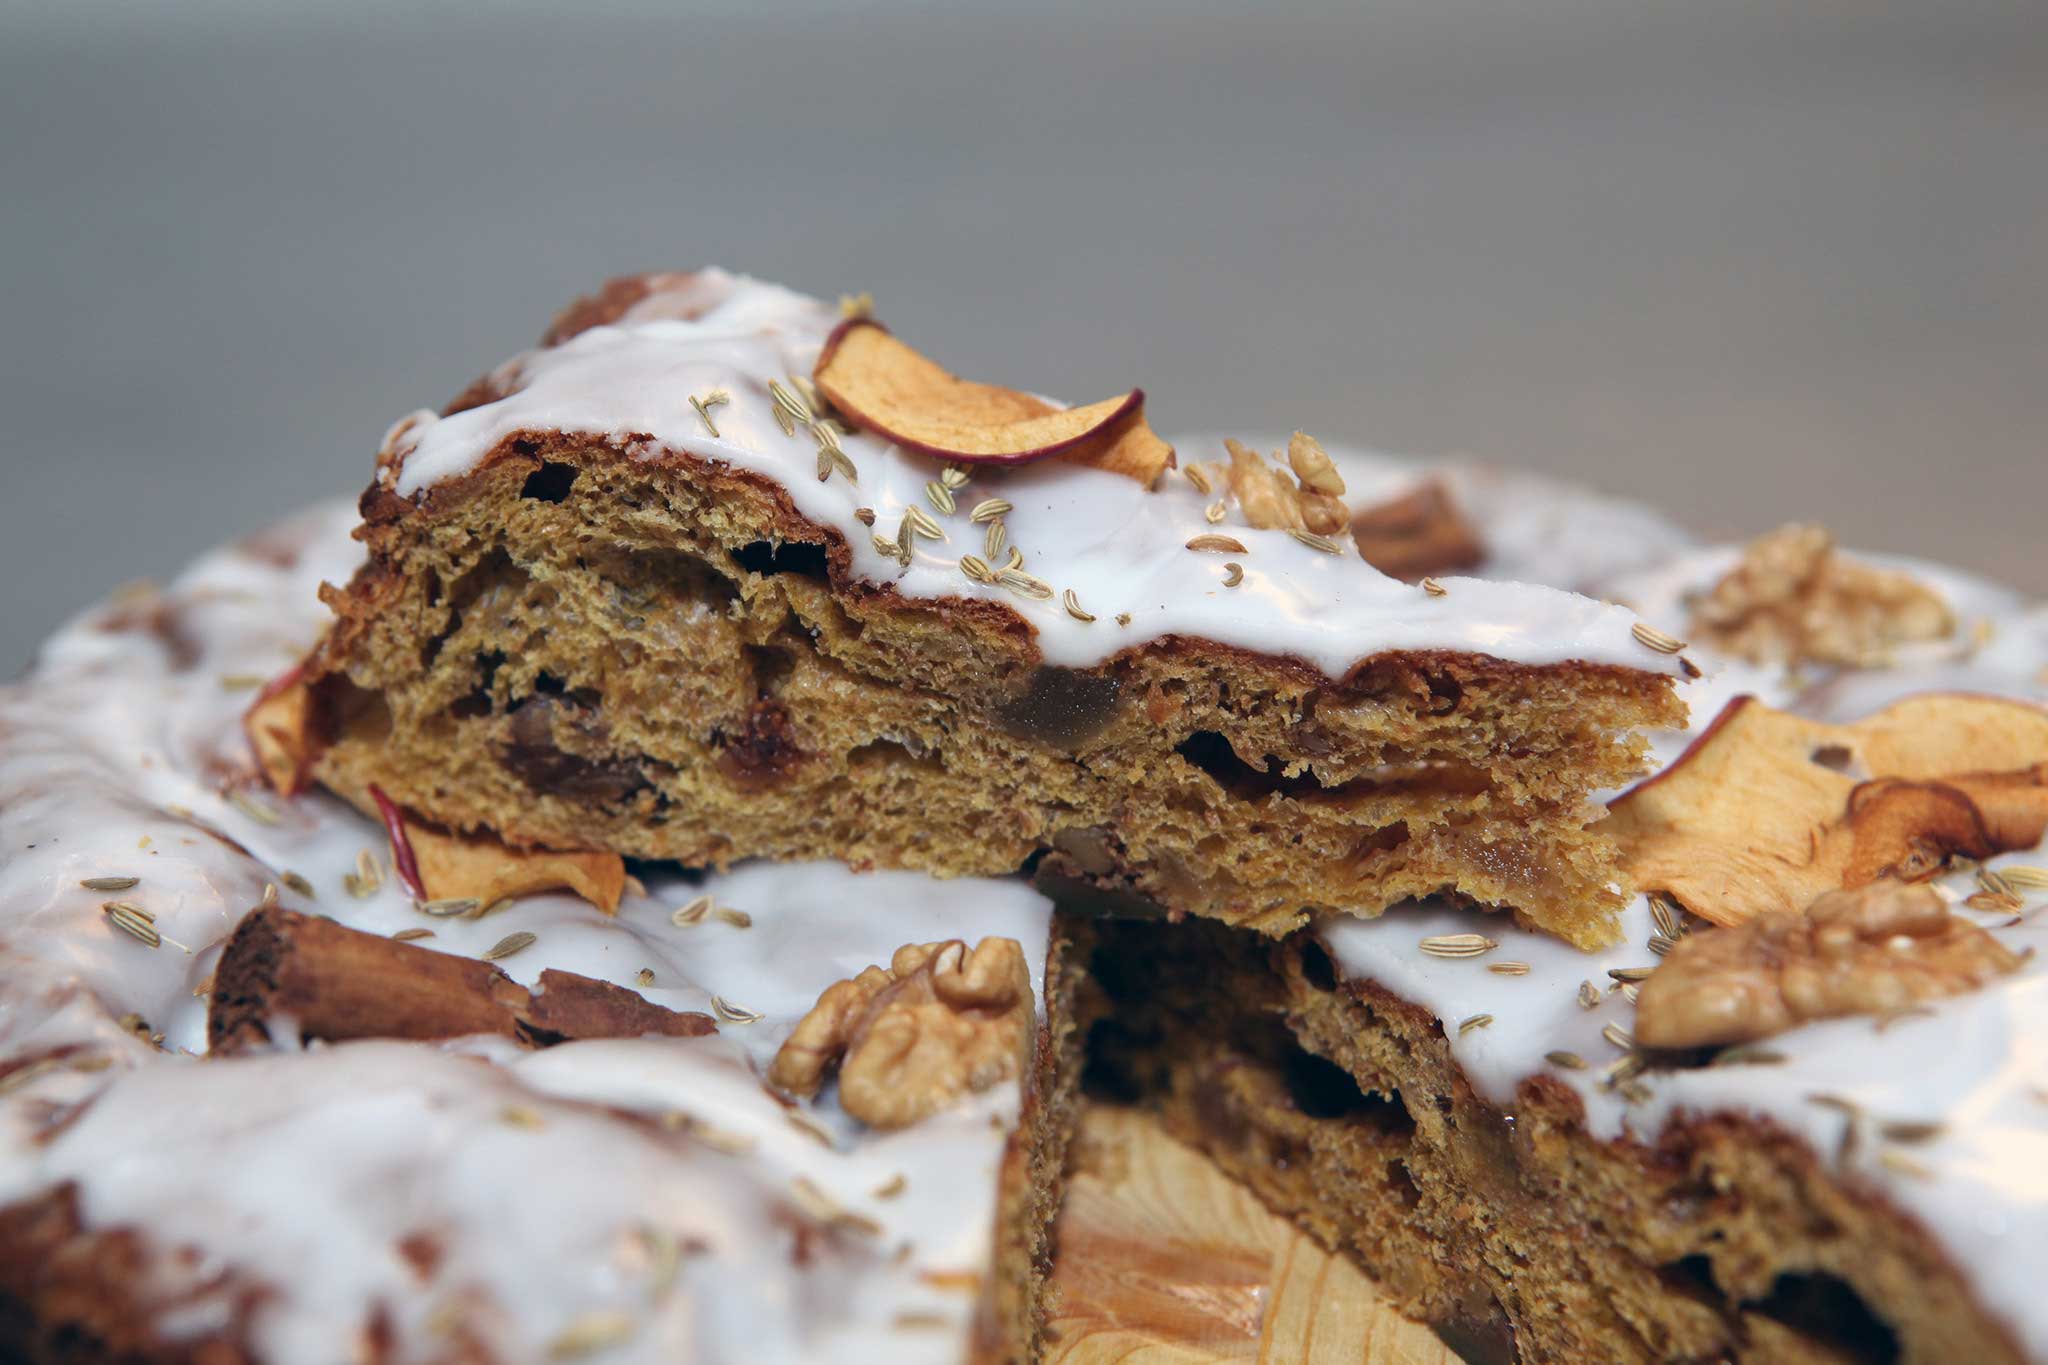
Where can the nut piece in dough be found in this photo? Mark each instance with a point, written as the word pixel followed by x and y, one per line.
pixel 1794 599
pixel 938 1023
pixel 1876 949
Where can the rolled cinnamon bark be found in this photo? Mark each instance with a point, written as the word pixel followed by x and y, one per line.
pixel 336 983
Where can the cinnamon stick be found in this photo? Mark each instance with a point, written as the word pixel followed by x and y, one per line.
pixel 335 983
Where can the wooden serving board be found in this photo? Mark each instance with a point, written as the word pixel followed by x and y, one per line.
pixel 1165 1259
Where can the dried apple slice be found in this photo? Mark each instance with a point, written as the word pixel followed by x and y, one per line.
pixel 455 867
pixel 436 865
pixel 882 385
pixel 1766 810
pixel 279 724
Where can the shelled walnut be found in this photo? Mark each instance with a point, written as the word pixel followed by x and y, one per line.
pixel 939 1022
pixel 1872 950
pixel 1794 598
pixel 1271 499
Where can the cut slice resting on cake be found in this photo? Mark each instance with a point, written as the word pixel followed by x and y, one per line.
pixel 654 590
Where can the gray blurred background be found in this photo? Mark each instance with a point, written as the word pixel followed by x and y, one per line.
pixel 1754 261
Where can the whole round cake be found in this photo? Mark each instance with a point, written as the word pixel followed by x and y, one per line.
pixel 655 879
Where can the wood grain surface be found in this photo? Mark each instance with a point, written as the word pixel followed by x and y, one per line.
pixel 1163 1259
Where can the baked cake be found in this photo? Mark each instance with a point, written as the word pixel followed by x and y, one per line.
pixel 1795 1113
pixel 232 1128
pixel 716 573
pixel 660 910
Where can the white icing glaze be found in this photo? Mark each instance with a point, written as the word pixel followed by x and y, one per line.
pixel 305 1170
pixel 1118 547
pixel 1979 1063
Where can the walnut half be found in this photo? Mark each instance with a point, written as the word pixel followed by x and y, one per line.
pixel 1272 501
pixel 939 1022
pixel 1875 949
pixel 1794 599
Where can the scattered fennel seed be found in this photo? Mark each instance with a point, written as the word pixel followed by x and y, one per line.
pixel 589 1333
pixel 510 944
pixel 705 404
pixel 1903 1165
pixel 254 809
pixel 1072 603
pixel 1220 544
pixel 731 1013
pixel 521 1116
pixel 1664 914
pixel 1911 1131
pixel 791 411
pixel 1024 584
pixel 111 883
pixel 1457 945
pixel 1650 637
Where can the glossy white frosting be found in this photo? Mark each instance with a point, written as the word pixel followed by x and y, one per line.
pixel 305 1170
pixel 1121 549
pixel 1978 1063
